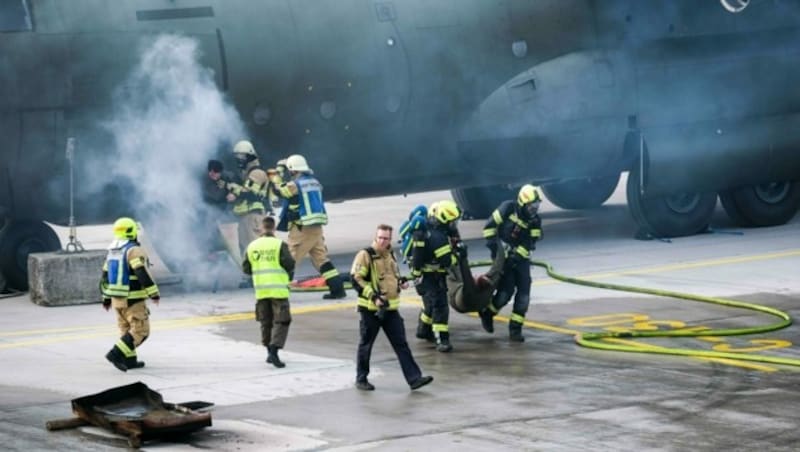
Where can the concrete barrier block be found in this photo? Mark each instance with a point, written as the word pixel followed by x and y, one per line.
pixel 62 279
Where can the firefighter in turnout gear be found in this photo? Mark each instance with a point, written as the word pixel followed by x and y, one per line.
pixel 125 286
pixel 376 278
pixel 513 228
pixel 431 256
pixel 304 210
pixel 250 197
pixel 272 267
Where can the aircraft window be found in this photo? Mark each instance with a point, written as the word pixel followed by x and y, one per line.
pixel 15 16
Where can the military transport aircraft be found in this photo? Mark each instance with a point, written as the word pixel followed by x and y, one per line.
pixel 696 99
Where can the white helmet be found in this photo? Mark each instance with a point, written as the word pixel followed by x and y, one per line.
pixel 298 163
pixel 244 147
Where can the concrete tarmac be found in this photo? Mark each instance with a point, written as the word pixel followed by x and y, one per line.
pixel 547 394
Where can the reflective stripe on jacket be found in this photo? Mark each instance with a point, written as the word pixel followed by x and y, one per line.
pixel 119 272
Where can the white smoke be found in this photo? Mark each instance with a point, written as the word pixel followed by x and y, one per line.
pixel 169 119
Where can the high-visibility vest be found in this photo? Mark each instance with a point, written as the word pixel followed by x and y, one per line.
pixel 270 280
pixel 312 206
pixel 119 279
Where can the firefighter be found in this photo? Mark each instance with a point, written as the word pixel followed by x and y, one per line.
pixel 125 286
pixel 513 228
pixel 271 265
pixel 376 278
pixel 432 255
pixel 304 210
pixel 250 196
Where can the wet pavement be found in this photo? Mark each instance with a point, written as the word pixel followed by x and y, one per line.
pixel 546 394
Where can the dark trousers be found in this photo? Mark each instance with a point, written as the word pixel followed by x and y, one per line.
pixel 395 331
pixel 434 298
pixel 516 278
pixel 275 317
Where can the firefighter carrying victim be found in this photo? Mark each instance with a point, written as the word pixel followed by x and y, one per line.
pixel 431 256
pixel 513 229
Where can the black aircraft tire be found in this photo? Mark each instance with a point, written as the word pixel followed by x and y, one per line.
pixel 17 241
pixel 763 205
pixel 581 193
pixel 480 202
pixel 669 216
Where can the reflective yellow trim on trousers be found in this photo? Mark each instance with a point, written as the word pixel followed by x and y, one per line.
pixel 127 351
pixel 425 318
pixel 440 328
pixel 517 318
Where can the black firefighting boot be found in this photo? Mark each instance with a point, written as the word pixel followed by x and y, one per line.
pixel 336 285
pixel 487 320
pixel 272 357
pixel 515 332
pixel 115 357
pixel 443 342
pixel 132 363
pixel 425 331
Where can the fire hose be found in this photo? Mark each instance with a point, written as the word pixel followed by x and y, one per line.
pixel 600 340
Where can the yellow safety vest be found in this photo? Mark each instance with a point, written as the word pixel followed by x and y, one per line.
pixel 270 280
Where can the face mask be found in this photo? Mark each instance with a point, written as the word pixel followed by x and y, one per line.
pixel 532 208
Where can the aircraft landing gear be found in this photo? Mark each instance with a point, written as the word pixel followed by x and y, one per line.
pixel 675 215
pixel 581 193
pixel 769 204
pixel 18 239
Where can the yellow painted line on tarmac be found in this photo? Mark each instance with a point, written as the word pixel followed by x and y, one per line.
pixel 56 335
pixel 96 331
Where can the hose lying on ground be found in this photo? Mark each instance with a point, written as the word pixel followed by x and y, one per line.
pixel 597 340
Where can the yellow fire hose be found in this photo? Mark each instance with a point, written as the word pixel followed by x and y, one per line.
pixel 596 339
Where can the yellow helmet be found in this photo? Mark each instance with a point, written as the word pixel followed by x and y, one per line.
pixel 297 162
pixel 125 228
pixel 528 194
pixel 445 211
pixel 432 209
pixel 244 147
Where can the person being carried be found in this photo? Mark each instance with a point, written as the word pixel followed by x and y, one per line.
pixel 272 267
pixel 376 278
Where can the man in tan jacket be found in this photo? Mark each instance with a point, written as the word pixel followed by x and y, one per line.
pixel 377 280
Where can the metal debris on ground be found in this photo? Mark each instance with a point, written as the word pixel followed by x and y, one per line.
pixel 136 412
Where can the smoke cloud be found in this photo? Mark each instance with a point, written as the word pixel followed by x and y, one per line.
pixel 170 118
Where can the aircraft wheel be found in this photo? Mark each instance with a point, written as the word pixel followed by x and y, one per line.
pixel 676 215
pixel 17 241
pixel 480 202
pixel 768 204
pixel 581 193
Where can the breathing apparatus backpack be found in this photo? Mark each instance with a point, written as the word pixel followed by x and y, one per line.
pixel 417 222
